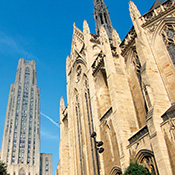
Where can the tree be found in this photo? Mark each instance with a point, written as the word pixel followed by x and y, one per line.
pixel 3 168
pixel 136 169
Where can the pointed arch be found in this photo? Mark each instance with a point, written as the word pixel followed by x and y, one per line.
pixel 96 51
pixel 115 171
pixel 146 158
pixel 164 38
pixel 80 60
pixel 27 71
pixel 96 47
pixel 78 68
pixel 160 26
pixel 22 171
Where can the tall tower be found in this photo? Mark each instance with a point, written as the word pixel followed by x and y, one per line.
pixel 21 138
pixel 102 17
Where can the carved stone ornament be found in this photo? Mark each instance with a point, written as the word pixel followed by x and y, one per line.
pixel 152 28
pixel 95 39
pixel 158 11
pixel 173 14
pixel 128 40
pixel 168 35
pixel 98 63
pixel 168 4
pixel 149 164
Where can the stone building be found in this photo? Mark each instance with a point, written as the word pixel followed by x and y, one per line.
pixel 21 138
pixel 122 90
pixel 45 164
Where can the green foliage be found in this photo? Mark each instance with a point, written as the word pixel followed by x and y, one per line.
pixel 3 169
pixel 136 169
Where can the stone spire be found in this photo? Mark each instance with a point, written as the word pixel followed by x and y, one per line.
pixel 102 17
pixel 116 38
pixel 134 12
pixel 136 18
pixel 86 27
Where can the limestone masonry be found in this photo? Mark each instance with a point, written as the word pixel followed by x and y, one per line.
pixel 122 90
pixel 21 139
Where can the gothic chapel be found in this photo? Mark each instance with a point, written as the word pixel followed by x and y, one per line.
pixel 124 91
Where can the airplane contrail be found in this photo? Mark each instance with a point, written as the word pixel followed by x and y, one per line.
pixel 50 119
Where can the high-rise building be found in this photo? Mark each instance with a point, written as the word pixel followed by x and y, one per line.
pixel 21 138
pixel 121 93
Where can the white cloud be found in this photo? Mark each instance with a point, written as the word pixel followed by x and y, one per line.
pixel 11 45
pixel 48 135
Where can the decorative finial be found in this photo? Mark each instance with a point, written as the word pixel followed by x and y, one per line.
pixel 134 12
pixel 74 24
pixel 86 27
pixel 116 38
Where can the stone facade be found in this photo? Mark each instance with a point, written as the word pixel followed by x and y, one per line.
pixel 45 164
pixel 21 139
pixel 124 91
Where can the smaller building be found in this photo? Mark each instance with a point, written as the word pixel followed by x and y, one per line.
pixel 45 164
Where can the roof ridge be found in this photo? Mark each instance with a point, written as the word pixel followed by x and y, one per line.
pixel 157 3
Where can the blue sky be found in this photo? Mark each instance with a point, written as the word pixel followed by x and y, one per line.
pixel 42 30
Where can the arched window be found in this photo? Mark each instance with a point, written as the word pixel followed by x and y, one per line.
pixel 105 16
pixel 101 18
pixel 168 35
pixel 146 158
pixel 79 130
pixel 89 118
pixel 115 171
pixel 27 70
pixel 22 171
